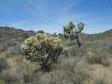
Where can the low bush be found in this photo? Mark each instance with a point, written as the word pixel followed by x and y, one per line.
pixel 3 64
pixel 99 56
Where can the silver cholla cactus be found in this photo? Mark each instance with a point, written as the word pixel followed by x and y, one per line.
pixel 42 48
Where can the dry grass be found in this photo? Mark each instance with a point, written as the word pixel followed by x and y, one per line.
pixel 91 64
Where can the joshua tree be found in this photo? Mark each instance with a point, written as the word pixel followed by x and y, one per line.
pixel 42 48
pixel 68 29
pixel 72 31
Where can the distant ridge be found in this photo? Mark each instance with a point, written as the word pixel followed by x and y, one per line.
pixel 109 31
pixel 8 33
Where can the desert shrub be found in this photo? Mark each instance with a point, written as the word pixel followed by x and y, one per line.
pixel 25 35
pixel 69 52
pixel 27 78
pixel 109 50
pixel 42 48
pixel 3 64
pixel 111 47
pixel 99 75
pixel 13 51
pixel 74 70
pixel 27 74
pixel 69 71
pixel 99 56
pixel 2 48
pixel 9 79
pixel 2 82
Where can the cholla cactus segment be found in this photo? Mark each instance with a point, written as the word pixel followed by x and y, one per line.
pixel 42 48
pixel 41 36
pixel 31 40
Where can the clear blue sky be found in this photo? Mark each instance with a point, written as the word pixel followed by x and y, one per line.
pixel 51 15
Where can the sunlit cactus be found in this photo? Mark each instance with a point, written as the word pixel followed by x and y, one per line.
pixel 72 31
pixel 42 48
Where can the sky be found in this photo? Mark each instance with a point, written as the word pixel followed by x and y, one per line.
pixel 51 15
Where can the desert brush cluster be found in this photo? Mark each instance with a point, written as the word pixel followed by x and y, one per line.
pixel 28 57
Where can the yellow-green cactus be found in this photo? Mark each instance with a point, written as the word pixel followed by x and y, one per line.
pixel 42 48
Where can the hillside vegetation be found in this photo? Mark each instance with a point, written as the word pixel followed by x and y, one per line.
pixel 89 64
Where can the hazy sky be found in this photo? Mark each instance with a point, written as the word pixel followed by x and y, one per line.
pixel 51 15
